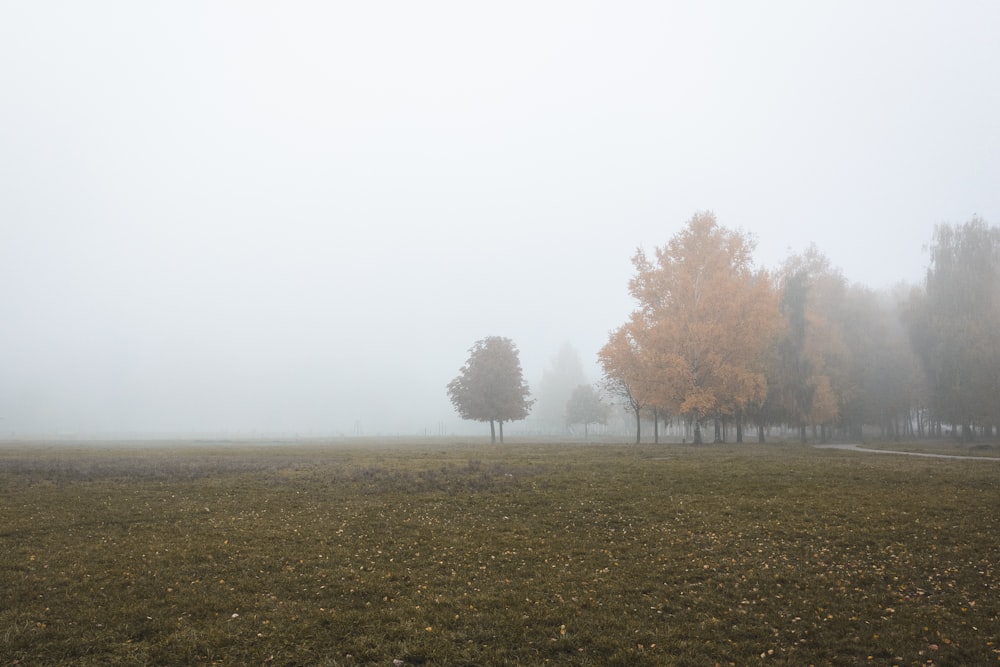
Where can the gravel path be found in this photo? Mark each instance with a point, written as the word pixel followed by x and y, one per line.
pixel 855 448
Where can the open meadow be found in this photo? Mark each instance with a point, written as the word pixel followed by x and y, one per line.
pixel 458 553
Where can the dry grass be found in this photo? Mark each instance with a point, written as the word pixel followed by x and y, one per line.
pixel 459 554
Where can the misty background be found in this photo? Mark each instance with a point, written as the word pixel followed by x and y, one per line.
pixel 252 219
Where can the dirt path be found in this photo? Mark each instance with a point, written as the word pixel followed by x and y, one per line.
pixel 856 448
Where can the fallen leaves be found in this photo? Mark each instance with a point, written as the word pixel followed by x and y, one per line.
pixel 608 556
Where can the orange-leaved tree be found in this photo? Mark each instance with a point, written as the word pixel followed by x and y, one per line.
pixel 705 322
pixel 627 373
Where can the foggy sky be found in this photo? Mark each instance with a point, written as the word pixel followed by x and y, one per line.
pixel 297 217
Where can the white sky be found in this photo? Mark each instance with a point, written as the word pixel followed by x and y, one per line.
pixel 292 217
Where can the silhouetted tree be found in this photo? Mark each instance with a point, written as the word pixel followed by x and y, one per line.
pixel 490 386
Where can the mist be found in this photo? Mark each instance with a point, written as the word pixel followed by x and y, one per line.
pixel 298 220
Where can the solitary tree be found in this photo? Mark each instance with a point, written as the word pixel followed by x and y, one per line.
pixel 586 407
pixel 490 386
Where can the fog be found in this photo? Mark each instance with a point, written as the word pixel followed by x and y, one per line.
pixel 296 218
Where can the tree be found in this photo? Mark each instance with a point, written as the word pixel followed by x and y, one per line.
pixel 626 373
pixel 705 323
pixel 556 387
pixel 810 374
pixel 586 407
pixel 490 386
pixel 954 325
pixel 885 381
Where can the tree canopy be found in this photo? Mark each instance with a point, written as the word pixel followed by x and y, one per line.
pixel 955 324
pixel 490 386
pixel 704 321
pixel 714 338
pixel 626 374
pixel 810 347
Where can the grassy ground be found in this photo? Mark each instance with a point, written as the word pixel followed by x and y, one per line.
pixel 521 554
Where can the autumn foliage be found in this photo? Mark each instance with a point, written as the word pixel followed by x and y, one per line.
pixel 715 339
pixel 697 344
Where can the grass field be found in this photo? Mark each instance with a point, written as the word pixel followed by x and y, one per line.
pixel 469 554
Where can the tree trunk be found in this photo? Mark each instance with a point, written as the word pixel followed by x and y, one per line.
pixel 718 430
pixel 493 432
pixel 697 429
pixel 638 426
pixel 802 433
pixel 656 427
pixel 760 433
pixel 501 431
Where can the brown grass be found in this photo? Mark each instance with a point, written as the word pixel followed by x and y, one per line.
pixel 466 554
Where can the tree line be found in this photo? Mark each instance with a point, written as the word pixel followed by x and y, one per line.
pixel 716 343
pixel 714 340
